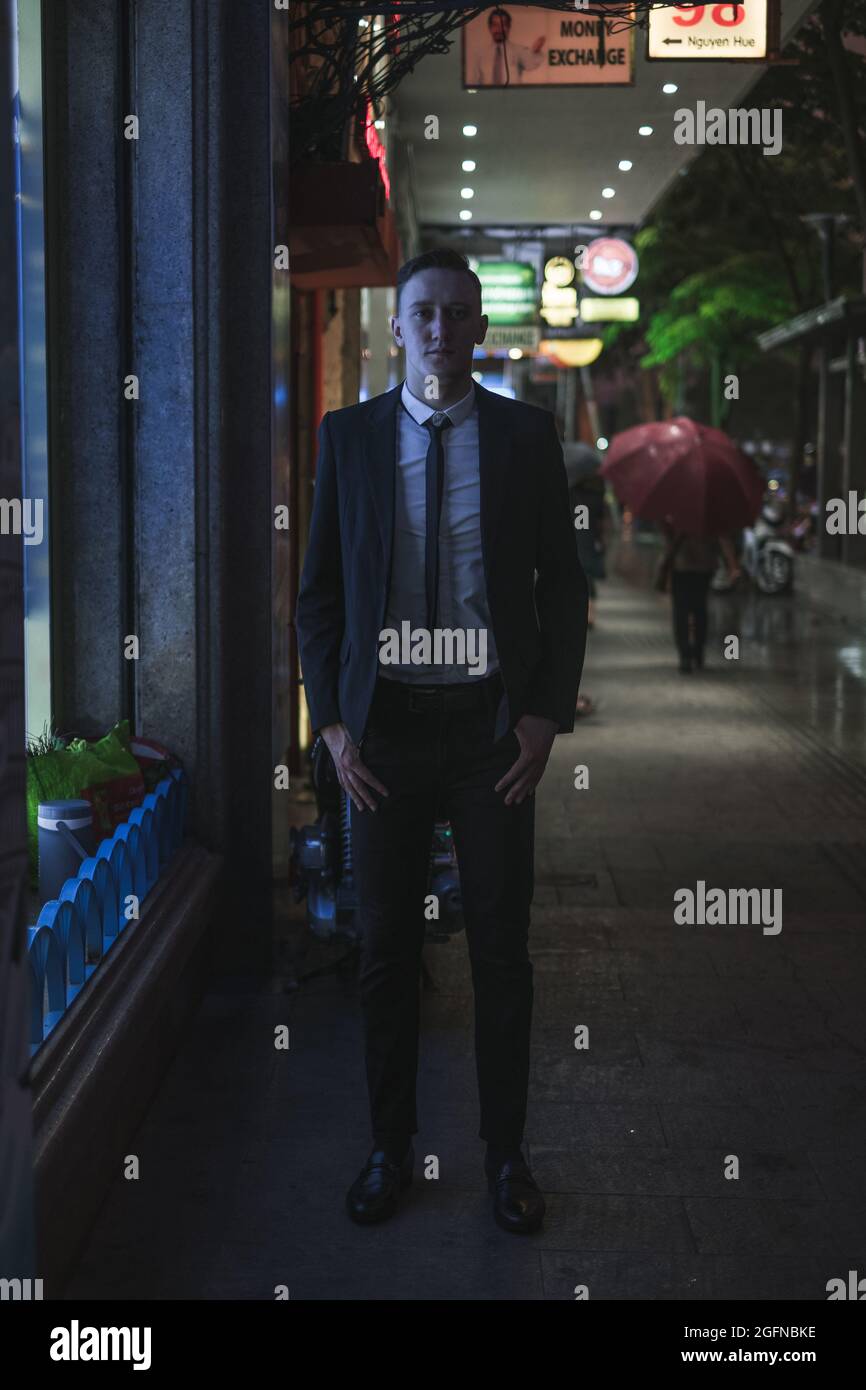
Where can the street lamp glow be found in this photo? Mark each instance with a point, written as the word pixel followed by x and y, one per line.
pixel 669 88
pixel 515 354
pixel 595 215
pixel 608 192
pixel 467 193
pixel 470 130
pixel 380 125
pixel 465 215
pixel 468 166
pixel 624 165
pixel 644 130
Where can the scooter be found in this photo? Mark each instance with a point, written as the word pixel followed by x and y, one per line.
pixel 767 557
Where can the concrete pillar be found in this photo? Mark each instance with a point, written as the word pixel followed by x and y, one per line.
pixel 161 263
pixel 90 460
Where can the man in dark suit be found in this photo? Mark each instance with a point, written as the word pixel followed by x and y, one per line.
pixel 442 503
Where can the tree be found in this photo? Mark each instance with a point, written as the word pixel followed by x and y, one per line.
pixel 725 254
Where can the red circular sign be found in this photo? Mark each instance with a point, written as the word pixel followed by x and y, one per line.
pixel 610 265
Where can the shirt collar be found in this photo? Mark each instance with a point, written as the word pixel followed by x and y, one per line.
pixel 421 411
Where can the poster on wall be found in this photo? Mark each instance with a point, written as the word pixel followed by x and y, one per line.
pixel 523 46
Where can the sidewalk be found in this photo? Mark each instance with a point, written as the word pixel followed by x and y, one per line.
pixel 705 1042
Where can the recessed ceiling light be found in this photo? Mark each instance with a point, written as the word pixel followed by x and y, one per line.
pixel 644 130
pixel 595 215
pixel 601 442
pixel 515 354
pixel 625 165
pixel 467 193
pixel 468 166
pixel 470 130
pixel 669 88
pixel 465 215
pixel 608 192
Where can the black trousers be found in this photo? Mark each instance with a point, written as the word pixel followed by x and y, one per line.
pixel 689 590
pixel 444 764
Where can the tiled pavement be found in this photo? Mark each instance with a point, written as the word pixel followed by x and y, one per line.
pixel 704 1042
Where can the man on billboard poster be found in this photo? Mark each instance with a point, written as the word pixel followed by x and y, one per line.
pixel 496 60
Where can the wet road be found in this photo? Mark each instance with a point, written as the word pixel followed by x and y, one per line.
pixel 713 1049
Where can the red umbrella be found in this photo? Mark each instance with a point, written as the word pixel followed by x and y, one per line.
pixel 689 474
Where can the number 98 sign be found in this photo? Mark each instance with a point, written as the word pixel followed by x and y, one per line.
pixel 717 32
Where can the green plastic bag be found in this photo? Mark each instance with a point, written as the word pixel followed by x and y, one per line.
pixel 104 772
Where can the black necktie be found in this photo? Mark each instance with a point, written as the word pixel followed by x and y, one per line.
pixel 435 426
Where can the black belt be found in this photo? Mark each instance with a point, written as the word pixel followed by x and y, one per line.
pixel 430 699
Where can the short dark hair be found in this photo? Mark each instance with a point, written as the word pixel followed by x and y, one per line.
pixel 442 258
pixel 498 13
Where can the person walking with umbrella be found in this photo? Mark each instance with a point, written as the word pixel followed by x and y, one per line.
pixel 690 562
pixel 700 486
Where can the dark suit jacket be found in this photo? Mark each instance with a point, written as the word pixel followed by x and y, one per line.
pixel 539 623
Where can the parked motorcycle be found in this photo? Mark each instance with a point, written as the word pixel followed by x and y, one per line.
pixel 322 863
pixel 767 556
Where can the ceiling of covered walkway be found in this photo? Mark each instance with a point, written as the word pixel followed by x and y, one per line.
pixel 543 155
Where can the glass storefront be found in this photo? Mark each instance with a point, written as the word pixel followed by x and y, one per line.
pixel 27 115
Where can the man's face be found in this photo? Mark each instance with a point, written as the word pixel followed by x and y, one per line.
pixel 439 322
pixel 498 28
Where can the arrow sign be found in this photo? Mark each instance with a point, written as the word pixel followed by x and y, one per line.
pixel 729 32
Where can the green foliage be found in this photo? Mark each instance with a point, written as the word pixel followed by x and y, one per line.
pixel 718 311
pixel 45 742
pixel 725 253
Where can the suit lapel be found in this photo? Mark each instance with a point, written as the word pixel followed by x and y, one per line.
pixel 380 461
pixel 493 458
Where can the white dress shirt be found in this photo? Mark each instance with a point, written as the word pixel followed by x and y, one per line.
pixel 486 72
pixel 462 584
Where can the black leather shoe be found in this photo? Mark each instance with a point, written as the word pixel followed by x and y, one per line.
pixel 518 1204
pixel 373 1195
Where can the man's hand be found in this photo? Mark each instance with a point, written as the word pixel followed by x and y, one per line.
pixel 353 776
pixel 536 735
